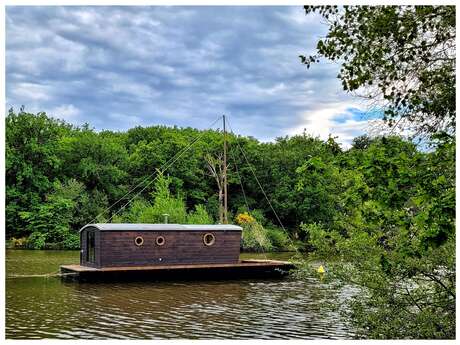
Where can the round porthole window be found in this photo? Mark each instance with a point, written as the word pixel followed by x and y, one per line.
pixel 209 239
pixel 160 240
pixel 139 241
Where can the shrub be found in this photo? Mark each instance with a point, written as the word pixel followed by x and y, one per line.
pixel 136 213
pixel 142 211
pixel 244 218
pixel 36 240
pixel 165 203
pixel 279 239
pixel 18 242
pixel 254 236
pixel 199 216
pixel 72 241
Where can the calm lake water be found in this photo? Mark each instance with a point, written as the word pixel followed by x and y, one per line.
pixel 47 307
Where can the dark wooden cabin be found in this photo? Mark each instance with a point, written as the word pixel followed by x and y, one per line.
pixel 119 245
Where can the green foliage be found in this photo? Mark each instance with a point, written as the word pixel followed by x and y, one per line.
pixel 138 212
pixel 279 240
pixel 32 163
pixel 98 160
pixel 37 240
pixel 255 238
pixel 199 216
pixel 393 234
pixel 164 203
pixel 319 200
pixel 50 222
pixel 392 226
pixel 402 57
pixel 72 241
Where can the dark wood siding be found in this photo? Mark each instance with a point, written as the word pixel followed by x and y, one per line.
pixel 117 248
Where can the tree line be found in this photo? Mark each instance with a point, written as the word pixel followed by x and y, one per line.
pixel 59 177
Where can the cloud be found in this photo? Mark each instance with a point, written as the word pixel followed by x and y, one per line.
pixel 31 91
pixel 65 111
pixel 117 67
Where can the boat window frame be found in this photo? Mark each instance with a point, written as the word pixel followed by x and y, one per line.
pixel 210 243
pixel 160 238
pixel 136 242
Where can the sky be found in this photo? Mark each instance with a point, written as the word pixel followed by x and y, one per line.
pixel 120 67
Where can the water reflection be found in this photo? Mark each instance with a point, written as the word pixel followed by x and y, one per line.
pixel 236 309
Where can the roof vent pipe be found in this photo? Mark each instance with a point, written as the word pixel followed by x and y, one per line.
pixel 166 217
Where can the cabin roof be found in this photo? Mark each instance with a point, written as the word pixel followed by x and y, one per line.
pixel 160 227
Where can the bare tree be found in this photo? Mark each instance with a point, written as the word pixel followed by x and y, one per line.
pixel 215 166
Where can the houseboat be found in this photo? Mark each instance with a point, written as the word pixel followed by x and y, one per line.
pixel 115 245
pixel 165 251
pixel 173 250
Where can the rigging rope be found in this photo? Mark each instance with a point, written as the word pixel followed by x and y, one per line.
pixel 242 189
pixel 239 178
pixel 172 160
pixel 169 163
pixel 263 191
pixel 258 182
pixel 46 275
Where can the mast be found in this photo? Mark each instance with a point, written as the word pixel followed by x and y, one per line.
pixel 225 172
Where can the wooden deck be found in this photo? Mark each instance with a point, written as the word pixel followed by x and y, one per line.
pixel 242 269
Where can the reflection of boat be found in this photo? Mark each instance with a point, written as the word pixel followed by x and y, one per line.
pixel 109 250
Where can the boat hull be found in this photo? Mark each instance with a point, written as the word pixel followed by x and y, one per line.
pixel 245 269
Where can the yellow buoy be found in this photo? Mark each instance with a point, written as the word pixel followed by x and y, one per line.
pixel 321 269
